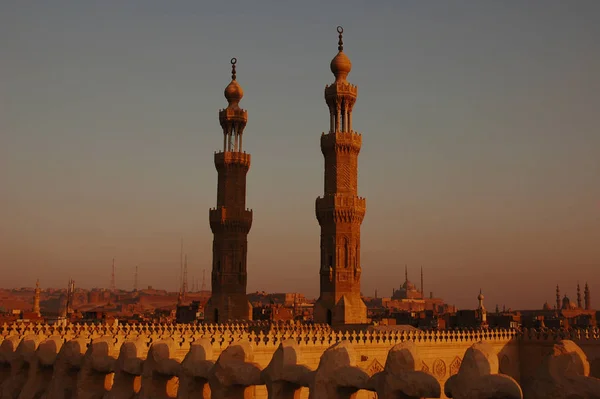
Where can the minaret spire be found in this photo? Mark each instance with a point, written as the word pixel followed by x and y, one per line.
pixel 36 298
pixel 230 220
pixel 340 211
pixel 422 291
pixel 578 296
pixel 557 298
pixel 587 298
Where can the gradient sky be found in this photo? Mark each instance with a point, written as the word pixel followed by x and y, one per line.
pixel 480 158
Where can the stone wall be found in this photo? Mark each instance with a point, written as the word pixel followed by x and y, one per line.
pixel 248 361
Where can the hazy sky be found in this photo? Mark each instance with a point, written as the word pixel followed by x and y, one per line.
pixel 480 158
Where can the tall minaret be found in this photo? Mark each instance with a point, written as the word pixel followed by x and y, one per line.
pixel 230 221
pixel 578 297
pixel 36 299
pixel 340 211
pixel 586 297
pixel 422 292
pixel 557 298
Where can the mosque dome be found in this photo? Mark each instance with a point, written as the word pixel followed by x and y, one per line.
pixel 547 306
pixel 566 303
pixel 408 286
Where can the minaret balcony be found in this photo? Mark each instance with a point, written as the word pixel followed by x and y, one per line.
pixel 222 213
pixel 340 141
pixel 341 88
pixel 232 158
pixel 337 201
pixel 233 114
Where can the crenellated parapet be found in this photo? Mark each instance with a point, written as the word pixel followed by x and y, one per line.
pixel 256 360
pixel 230 159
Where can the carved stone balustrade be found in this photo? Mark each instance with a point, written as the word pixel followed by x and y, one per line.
pixel 286 375
pixel 234 374
pixel 564 374
pixel 19 366
pixel 66 369
pixel 159 371
pixel 196 370
pixel 402 376
pixel 96 369
pixel 478 377
pixel 128 370
pixel 337 376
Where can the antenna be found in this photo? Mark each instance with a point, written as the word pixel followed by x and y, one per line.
pixel 185 280
pixel 203 280
pixel 181 266
pixel 135 279
pixel 112 277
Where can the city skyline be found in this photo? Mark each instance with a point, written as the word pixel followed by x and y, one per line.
pixel 479 150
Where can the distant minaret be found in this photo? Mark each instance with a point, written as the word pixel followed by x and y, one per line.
pixel 481 308
pixel 113 287
pixel 578 297
pixel 135 279
pixel 587 298
pixel 557 297
pixel 406 274
pixel 184 286
pixel 36 299
pixel 422 292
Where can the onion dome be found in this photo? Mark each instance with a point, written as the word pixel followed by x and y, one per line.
pixel 233 91
pixel 480 297
pixel 340 64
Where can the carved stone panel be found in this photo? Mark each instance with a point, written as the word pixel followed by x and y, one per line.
pixel 439 369
pixel 455 365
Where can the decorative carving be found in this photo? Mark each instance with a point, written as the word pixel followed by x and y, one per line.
pixel 439 368
pixel 374 367
pixel 425 367
pixel 455 365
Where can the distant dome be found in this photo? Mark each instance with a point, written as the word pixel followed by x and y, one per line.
pixel 566 304
pixel 480 297
pixel 408 286
pixel 547 306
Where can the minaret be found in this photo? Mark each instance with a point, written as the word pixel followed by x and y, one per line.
pixel 586 297
pixel 481 308
pixel 36 299
pixel 340 211
pixel 230 221
pixel 557 298
pixel 422 292
pixel 578 297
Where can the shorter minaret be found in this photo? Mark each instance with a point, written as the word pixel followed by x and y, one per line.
pixel 481 308
pixel 557 297
pixel 36 299
pixel 578 297
pixel 586 297
pixel 422 291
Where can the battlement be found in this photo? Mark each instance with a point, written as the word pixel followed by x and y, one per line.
pixel 227 158
pixel 159 360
